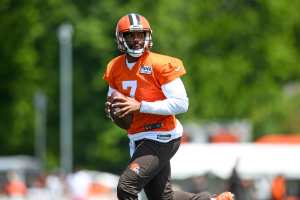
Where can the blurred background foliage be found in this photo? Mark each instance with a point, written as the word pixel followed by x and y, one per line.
pixel 242 59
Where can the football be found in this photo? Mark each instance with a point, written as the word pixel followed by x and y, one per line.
pixel 123 122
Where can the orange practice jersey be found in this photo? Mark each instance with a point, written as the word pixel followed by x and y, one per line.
pixel 143 82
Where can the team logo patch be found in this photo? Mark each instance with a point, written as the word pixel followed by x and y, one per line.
pixel 146 69
pixel 135 167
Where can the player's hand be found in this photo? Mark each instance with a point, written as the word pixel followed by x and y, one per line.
pixel 107 108
pixel 126 106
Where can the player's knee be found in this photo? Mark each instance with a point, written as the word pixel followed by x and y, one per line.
pixel 122 194
pixel 128 187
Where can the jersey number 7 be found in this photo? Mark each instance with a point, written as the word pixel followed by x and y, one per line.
pixel 132 84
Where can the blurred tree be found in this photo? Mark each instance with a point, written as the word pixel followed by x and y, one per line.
pixel 19 75
pixel 240 55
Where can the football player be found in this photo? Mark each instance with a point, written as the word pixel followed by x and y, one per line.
pixel 155 94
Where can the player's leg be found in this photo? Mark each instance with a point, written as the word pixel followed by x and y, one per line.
pixel 128 186
pixel 148 160
pixel 150 166
pixel 160 188
pixel 143 166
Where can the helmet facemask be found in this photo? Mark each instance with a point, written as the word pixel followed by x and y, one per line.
pixel 124 45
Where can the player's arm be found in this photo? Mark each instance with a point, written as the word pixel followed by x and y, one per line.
pixel 176 101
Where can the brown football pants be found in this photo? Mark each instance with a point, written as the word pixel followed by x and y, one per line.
pixel 149 169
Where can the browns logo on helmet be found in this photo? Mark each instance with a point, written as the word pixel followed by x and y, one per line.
pixel 131 23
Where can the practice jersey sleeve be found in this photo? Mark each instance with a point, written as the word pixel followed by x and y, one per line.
pixel 176 101
pixel 170 71
pixel 108 75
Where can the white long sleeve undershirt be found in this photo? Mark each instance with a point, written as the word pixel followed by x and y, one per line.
pixel 176 101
